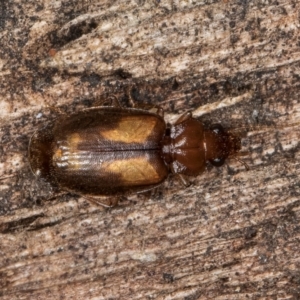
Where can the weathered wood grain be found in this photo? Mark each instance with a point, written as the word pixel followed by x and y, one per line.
pixel 233 234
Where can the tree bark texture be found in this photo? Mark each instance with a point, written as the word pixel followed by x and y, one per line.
pixel 234 233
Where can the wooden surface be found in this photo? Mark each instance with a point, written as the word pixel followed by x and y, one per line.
pixel 233 234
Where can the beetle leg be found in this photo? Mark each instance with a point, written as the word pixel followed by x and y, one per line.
pixel 128 93
pixel 160 111
pixel 108 101
pixel 172 169
pixel 184 180
pixel 187 115
pixel 55 110
pixel 181 177
pixel 153 109
pixel 97 201
pixel 114 101
pixel 157 110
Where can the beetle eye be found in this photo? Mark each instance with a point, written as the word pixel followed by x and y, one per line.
pixel 217 128
pixel 168 132
pixel 217 162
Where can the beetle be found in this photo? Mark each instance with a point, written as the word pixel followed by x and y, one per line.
pixel 112 151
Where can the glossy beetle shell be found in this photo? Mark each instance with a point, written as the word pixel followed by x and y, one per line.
pixel 113 151
pixel 101 151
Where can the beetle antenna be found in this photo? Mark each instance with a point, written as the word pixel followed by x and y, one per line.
pixel 242 162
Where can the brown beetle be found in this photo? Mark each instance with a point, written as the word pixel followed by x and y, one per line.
pixel 108 151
